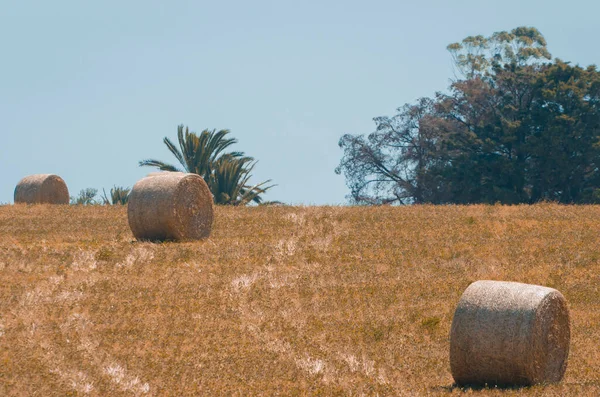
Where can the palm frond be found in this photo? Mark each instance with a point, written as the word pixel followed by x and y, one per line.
pixel 189 147
pixel 218 142
pixel 175 151
pixel 238 154
pixel 118 196
pixel 272 202
pixel 201 155
pixel 159 164
pixel 229 181
pixel 252 193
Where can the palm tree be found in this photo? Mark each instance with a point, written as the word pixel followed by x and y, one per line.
pixel 118 195
pixel 196 153
pixel 226 174
pixel 229 181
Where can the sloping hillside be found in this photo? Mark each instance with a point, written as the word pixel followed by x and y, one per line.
pixel 280 300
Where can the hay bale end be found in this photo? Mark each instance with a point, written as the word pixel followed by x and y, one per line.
pixel 509 334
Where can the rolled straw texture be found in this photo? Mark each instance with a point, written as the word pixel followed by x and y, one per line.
pixel 509 334
pixel 170 206
pixel 42 189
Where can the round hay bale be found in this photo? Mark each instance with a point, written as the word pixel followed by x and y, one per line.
pixel 170 206
pixel 42 189
pixel 511 334
pixel 161 173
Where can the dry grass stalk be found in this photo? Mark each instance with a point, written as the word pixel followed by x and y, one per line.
pixel 42 189
pixel 170 206
pixel 506 333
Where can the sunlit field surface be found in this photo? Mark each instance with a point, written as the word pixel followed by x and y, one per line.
pixel 280 300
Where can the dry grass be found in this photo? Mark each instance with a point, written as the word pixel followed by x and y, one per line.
pixel 280 300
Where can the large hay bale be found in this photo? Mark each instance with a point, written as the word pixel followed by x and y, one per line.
pixel 506 333
pixel 170 206
pixel 42 189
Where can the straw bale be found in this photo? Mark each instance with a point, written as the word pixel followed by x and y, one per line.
pixel 170 206
pixel 42 189
pixel 162 173
pixel 509 334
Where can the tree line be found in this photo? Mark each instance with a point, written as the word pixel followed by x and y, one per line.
pixel 514 127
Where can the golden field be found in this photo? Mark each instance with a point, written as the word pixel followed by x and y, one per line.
pixel 279 300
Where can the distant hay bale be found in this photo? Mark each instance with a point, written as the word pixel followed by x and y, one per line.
pixel 506 333
pixel 170 206
pixel 42 189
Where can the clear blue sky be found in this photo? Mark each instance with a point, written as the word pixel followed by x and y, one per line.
pixel 87 89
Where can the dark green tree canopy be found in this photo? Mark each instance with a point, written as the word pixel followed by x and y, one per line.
pixel 515 129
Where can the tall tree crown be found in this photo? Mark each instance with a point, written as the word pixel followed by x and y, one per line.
pixel 513 130
pixel 479 55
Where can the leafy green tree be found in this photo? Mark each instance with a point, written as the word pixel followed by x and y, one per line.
pixel 564 146
pixel 391 164
pixel 118 196
pixel 479 55
pixel 529 134
pixel 227 174
pixel 514 130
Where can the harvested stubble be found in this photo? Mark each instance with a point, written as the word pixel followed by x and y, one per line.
pixel 42 189
pixel 170 206
pixel 507 333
